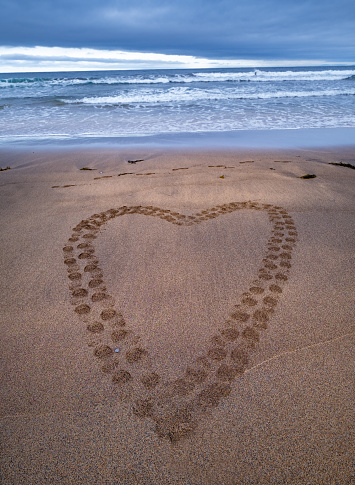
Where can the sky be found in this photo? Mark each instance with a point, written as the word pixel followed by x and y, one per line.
pixel 55 35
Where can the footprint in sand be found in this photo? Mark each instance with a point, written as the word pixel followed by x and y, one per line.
pixel 175 407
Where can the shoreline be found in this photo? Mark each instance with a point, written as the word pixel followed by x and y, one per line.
pixel 302 138
pixel 226 254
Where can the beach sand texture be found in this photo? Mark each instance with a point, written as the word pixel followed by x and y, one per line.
pixel 185 319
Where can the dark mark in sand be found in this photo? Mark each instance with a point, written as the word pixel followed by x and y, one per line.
pixel 341 164
pixel 308 176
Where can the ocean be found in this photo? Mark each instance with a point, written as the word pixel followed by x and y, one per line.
pixel 168 104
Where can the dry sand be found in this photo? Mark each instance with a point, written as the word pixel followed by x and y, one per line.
pixel 186 319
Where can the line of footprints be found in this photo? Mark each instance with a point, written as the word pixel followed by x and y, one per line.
pixel 176 406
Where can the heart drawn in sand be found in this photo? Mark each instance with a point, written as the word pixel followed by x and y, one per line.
pixel 176 406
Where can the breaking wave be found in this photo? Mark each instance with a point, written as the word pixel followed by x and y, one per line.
pixel 183 95
pixel 121 78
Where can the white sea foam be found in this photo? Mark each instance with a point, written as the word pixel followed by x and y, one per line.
pixel 183 95
pixel 260 76
pixel 121 103
pixel 256 75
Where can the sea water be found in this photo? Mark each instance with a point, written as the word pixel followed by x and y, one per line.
pixel 148 104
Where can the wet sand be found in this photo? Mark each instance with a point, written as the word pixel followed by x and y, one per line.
pixel 186 318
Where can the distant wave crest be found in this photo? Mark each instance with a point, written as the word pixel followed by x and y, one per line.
pixel 176 95
pixel 255 75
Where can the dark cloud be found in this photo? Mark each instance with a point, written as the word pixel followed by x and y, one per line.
pixel 227 29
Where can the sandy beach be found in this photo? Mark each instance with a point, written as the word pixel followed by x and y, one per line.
pixel 177 317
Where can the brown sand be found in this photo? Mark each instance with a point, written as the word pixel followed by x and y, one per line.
pixel 190 325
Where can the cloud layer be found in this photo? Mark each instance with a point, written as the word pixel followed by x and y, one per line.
pixel 224 30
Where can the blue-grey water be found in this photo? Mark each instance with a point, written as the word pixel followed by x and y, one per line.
pixel 165 103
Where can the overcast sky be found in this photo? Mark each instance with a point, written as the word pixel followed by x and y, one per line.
pixel 121 33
